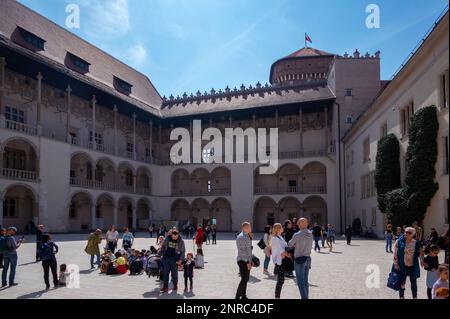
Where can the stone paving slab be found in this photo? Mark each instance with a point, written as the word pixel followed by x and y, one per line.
pixel 341 274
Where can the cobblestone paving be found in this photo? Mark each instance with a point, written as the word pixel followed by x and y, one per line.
pixel 341 274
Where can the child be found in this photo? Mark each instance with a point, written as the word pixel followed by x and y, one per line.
pixel 121 263
pixel 442 282
pixel 431 264
pixel 63 275
pixel 188 267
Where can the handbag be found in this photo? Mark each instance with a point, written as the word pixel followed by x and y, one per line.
pixel 261 244
pixel 395 281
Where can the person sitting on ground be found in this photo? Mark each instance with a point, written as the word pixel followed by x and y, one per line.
pixel 121 263
pixel 63 275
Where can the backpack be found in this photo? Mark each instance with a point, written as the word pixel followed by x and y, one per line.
pixel 136 266
pixel 4 248
pixel 46 251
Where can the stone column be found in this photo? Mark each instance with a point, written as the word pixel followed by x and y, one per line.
pixel 39 100
pixel 116 150
pixel 2 85
pixel 1 211
pixel 134 137
pixel 300 123
pixel 115 215
pixel 94 143
pixel 151 142
pixel 69 101
pixel 93 216
pixel 134 217
pixel 326 128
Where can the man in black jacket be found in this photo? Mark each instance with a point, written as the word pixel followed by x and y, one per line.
pixel 39 233
pixel 289 231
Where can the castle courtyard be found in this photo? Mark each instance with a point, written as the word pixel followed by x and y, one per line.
pixel 341 274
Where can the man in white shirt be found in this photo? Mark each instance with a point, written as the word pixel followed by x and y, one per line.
pixel 112 237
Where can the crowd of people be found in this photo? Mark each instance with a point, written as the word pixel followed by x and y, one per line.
pixel 288 246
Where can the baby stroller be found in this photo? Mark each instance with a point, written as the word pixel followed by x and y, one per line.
pixel 153 267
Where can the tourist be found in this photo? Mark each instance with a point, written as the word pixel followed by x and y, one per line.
pixel 92 249
pixel 2 240
pixel 289 231
pixel 244 259
pixel 172 252
pixel 214 235
pixel 47 251
pixel 208 235
pixel 317 234
pixel 324 236
pixel 398 233
pixel 127 239
pixel 9 248
pixel 433 237
pixel 39 233
pixel 331 234
pixel 278 254
pixel 348 234
pixel 302 244
pixel 120 263
pixel 151 230
pixel 389 237
pixel 63 275
pixel 407 253
pixel 294 224
pixel 199 238
pixel 441 283
pixel 419 232
pixel 267 250
pixel 112 237
pixel 431 265
pixel 188 271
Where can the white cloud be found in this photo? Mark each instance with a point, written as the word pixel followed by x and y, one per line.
pixel 137 55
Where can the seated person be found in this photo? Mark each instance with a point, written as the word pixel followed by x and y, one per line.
pixel 121 263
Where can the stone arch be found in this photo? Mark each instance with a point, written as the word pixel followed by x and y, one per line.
pixel 125 212
pixel 315 209
pixel 221 181
pixel 104 211
pixel 181 212
pixel 20 159
pixel 289 178
pixel 222 213
pixel 143 213
pixel 201 214
pixel 80 211
pixel 200 182
pixel 81 168
pixel 289 208
pixel 180 182
pixel 144 180
pixel 314 178
pixel 20 206
pixel 264 213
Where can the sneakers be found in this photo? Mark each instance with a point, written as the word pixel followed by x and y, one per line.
pixel 13 284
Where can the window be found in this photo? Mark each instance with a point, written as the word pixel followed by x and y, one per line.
pixel 15 115
pixel 207 154
pixel 348 92
pixel 148 153
pixel 368 185
pixel 445 145
pixel 79 63
pixel 349 119
pixel 129 178
pixel 122 85
pixel 32 39
pixel 444 83
pixel 130 147
pixel 406 115
pixel 374 216
pixel 74 138
pixel 366 150
pixel 383 130
pixel 98 138
pixel 15 159
pixel 9 207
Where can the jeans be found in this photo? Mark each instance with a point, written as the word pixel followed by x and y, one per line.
pixel 170 267
pixel 266 262
pixel 409 272
pixel 302 273
pixel 112 246
pixel 47 265
pixel 280 280
pixel 214 239
pixel 324 239
pixel 92 260
pixel 389 245
pixel 316 243
pixel 9 260
pixel 241 292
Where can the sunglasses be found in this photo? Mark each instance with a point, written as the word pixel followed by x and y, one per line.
pixel 409 233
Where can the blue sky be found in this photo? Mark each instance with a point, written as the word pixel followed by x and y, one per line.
pixel 190 45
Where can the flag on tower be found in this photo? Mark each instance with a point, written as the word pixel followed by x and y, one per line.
pixel 307 39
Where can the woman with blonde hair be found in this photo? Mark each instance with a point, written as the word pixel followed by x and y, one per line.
pixel 278 245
